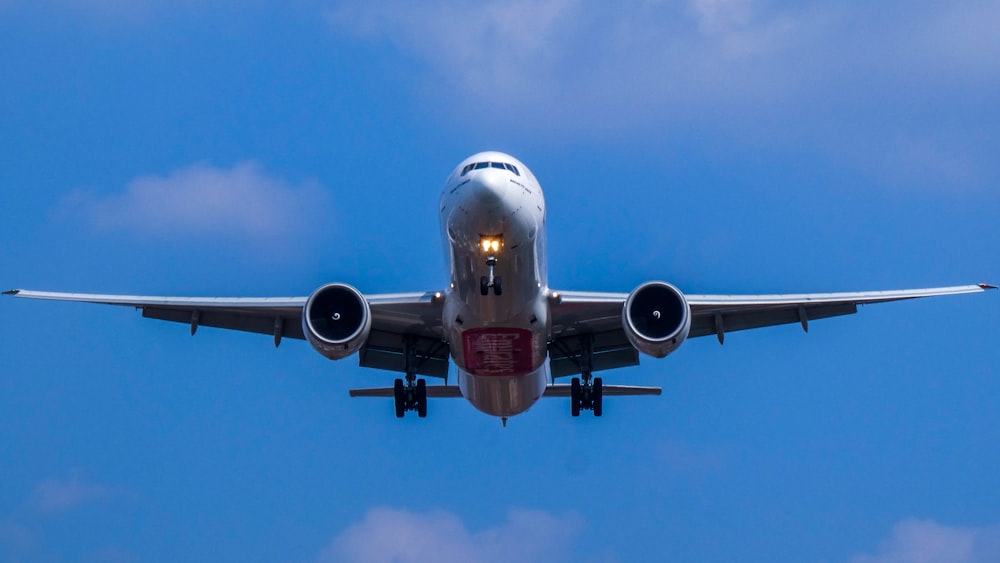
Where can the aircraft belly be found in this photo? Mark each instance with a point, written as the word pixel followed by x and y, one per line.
pixel 503 395
pixel 495 351
pixel 488 345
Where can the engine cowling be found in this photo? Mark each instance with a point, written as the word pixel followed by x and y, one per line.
pixel 336 320
pixel 656 318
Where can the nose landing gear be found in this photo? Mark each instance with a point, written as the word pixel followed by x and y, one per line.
pixel 486 282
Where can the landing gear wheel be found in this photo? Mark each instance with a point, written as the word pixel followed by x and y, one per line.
pixel 597 396
pixel 421 398
pixel 399 393
pixel 484 285
pixel 498 286
pixel 575 397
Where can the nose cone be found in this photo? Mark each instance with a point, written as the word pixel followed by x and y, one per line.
pixel 490 188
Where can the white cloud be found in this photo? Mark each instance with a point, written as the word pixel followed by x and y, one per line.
pixel 925 541
pixel 388 535
pixel 848 79
pixel 542 53
pixel 202 200
pixel 61 495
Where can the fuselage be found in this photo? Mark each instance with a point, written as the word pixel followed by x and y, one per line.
pixel 496 311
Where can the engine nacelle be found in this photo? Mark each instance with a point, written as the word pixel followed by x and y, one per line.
pixel 336 320
pixel 656 318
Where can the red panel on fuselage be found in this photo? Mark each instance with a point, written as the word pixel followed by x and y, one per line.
pixel 497 351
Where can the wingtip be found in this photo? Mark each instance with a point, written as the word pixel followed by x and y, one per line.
pixel 987 286
pixel 12 292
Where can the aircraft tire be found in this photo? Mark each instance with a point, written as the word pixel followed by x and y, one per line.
pixel 597 396
pixel 574 397
pixel 400 396
pixel 421 398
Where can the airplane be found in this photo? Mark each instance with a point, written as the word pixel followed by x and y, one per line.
pixel 507 332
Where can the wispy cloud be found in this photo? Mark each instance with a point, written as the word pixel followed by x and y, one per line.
pixel 388 535
pixel 926 541
pixel 61 495
pixel 205 201
pixel 674 55
pixel 751 70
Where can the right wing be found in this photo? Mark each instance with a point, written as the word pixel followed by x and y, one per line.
pixel 719 314
pixel 598 317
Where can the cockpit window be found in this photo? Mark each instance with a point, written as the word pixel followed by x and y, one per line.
pixel 498 165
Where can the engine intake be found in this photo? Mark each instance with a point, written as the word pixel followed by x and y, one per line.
pixel 336 320
pixel 656 318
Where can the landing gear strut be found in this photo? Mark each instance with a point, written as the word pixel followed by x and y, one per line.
pixel 411 396
pixel 587 395
pixel 486 282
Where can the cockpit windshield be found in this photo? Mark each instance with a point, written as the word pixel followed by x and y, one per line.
pixel 480 165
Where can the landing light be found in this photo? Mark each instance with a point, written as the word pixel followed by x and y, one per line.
pixel 490 243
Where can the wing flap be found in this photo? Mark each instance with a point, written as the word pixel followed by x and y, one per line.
pixel 707 323
pixel 281 322
pixel 387 350
pixel 609 350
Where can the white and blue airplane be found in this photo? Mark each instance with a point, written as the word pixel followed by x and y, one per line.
pixel 508 333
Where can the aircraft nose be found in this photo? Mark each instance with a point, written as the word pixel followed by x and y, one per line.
pixel 491 187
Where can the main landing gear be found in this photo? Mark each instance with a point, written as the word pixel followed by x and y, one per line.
pixel 486 282
pixel 411 396
pixel 587 395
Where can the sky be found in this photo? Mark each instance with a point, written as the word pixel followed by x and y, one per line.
pixel 255 148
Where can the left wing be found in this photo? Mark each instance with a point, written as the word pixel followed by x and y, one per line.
pixel 279 316
pixel 598 315
pixel 397 318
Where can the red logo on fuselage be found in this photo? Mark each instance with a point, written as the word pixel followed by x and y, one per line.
pixel 497 351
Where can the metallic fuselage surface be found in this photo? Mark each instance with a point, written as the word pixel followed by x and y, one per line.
pixel 493 218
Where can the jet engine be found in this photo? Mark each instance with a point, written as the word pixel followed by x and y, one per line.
pixel 656 318
pixel 336 320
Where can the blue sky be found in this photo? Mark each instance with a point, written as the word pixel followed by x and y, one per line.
pixel 262 149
